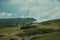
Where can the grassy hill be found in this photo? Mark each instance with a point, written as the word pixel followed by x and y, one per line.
pixel 48 30
pixel 50 24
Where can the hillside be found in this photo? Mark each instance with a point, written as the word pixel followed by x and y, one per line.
pixel 14 21
pixel 48 30
pixel 50 23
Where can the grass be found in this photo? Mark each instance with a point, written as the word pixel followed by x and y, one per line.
pixel 7 37
pixel 10 29
pixel 9 32
pixel 35 31
pixel 24 31
pixel 49 36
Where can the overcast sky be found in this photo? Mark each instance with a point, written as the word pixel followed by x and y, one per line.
pixel 39 9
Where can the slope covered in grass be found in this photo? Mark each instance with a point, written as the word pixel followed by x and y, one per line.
pixel 48 30
pixel 49 36
pixel 9 32
pixel 49 24
pixel 44 31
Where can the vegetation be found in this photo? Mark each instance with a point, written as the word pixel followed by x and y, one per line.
pixel 28 26
pixel 49 30
pixel 34 31
pixel 14 21
pixel 50 36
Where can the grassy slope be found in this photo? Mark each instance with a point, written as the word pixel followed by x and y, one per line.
pixel 50 24
pixel 50 36
pixel 10 32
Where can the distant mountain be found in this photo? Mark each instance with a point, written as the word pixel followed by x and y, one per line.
pixel 13 21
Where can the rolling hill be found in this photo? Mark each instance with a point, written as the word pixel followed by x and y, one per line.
pixel 48 30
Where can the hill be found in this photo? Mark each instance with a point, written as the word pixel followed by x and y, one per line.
pixel 50 23
pixel 14 21
pixel 48 30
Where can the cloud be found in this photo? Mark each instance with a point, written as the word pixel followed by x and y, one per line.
pixel 39 9
pixel 5 15
pixel 14 2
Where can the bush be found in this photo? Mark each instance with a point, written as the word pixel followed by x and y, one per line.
pixel 2 35
pixel 28 26
pixel 58 30
pixel 13 39
pixel 35 31
pixel 35 38
pixel 45 23
pixel 23 34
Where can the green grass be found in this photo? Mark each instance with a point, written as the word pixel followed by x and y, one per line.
pixel 35 31
pixel 49 36
pixel 7 37
pixel 10 29
pixel 9 32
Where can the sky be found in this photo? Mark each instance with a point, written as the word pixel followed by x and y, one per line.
pixel 41 10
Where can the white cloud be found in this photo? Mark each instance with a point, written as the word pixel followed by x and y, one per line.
pixel 4 14
pixel 21 16
pixel 13 2
pixel 20 1
pixel 39 9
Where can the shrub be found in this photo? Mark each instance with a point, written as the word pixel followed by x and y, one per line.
pixel 35 38
pixel 13 39
pixel 2 35
pixel 28 26
pixel 58 30
pixel 45 23
pixel 35 31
